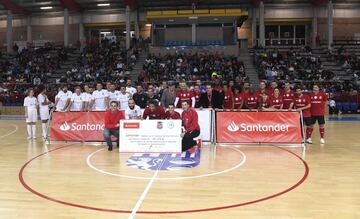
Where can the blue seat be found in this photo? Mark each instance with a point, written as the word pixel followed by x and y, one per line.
pixel 346 106
pixel 353 106
pixel 339 106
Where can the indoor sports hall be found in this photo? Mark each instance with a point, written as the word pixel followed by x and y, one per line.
pixel 180 109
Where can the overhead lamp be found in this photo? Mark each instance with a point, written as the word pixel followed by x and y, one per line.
pixel 148 25
pixel 103 4
pixel 46 7
pixel 193 18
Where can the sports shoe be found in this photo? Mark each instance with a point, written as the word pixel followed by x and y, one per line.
pixel 322 141
pixel 28 138
pixel 109 148
pixel 308 141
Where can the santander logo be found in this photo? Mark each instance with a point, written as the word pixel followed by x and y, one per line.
pixel 233 127
pixel 81 127
pixel 65 127
pixel 243 127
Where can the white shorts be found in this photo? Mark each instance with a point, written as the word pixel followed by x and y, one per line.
pixel 32 116
pixel 44 113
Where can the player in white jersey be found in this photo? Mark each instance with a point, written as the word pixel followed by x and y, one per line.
pixel 44 104
pixel 124 97
pixel 114 95
pixel 132 111
pixel 129 88
pixel 87 95
pixel 62 99
pixel 31 113
pixel 99 99
pixel 77 101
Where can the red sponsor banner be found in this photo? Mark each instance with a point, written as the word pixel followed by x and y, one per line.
pixel 254 127
pixel 77 126
pixel 131 125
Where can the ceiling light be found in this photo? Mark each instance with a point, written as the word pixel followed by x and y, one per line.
pixel 103 4
pixel 148 25
pixel 193 18
pixel 46 7
pixel 171 20
pixel 216 19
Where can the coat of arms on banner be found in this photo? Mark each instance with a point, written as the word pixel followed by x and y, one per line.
pixel 164 161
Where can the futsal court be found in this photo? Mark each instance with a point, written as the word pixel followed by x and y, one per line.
pixel 74 180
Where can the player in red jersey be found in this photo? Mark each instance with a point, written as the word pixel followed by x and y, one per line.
pixel 197 95
pixel 154 111
pixel 302 103
pixel 288 96
pixel 184 94
pixel 265 103
pixel 318 103
pixel 270 90
pixel 228 98
pixel 171 113
pixel 262 89
pixel 191 126
pixel 251 101
pixel 276 100
pixel 238 98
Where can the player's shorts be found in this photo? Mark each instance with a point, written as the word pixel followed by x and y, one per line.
pixel 44 113
pixel 308 121
pixel 32 116
pixel 319 119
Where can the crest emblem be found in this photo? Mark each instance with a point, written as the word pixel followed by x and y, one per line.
pixel 159 125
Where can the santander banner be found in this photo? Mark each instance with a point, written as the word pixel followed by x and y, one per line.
pixel 255 127
pixel 77 126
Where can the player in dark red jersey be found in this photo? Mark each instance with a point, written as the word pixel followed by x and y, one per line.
pixel 265 103
pixel 191 126
pixel 184 94
pixel 262 89
pixel 171 113
pixel 302 103
pixel 276 100
pixel 197 95
pixel 228 98
pixel 251 100
pixel 318 103
pixel 288 97
pixel 154 111
pixel 238 98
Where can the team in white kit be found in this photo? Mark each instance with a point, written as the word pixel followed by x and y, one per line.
pixel 79 101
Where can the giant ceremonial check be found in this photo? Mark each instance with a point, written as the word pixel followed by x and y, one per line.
pixel 77 126
pixel 256 127
pixel 156 136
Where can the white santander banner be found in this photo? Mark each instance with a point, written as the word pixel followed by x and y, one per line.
pixel 150 136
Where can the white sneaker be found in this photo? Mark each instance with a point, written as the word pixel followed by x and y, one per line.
pixel 308 141
pixel 28 138
pixel 322 141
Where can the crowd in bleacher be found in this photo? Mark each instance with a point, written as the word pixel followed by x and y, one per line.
pixel 294 64
pixel 190 67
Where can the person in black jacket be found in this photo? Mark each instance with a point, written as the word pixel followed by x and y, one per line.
pixel 211 98
pixel 140 97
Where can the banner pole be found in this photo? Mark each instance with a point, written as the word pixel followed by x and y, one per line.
pixel 303 128
pixel 213 112
pixel 48 126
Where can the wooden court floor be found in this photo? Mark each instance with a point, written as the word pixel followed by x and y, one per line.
pixel 68 181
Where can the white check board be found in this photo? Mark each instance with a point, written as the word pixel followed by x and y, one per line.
pixel 150 136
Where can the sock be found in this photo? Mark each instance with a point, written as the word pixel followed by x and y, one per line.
pixel 322 132
pixel 33 128
pixel 29 130
pixel 309 131
pixel 43 126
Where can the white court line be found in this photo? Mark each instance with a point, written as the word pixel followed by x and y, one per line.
pixel 88 162
pixel 146 190
pixel 12 132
